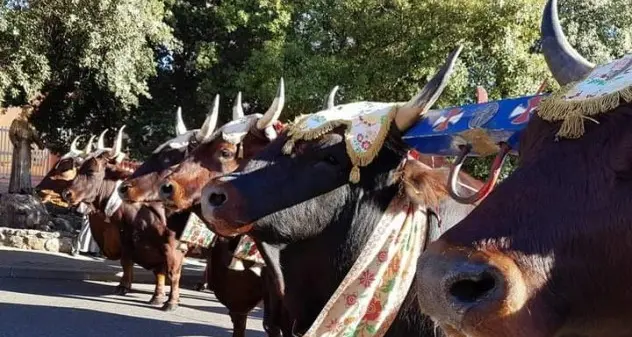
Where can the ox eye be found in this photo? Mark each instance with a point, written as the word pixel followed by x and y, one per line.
pixel 226 154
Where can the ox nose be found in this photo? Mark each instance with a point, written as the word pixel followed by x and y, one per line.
pixel 166 191
pixel 451 286
pixel 216 197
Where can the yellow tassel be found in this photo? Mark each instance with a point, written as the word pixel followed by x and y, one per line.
pixel 288 147
pixel 354 177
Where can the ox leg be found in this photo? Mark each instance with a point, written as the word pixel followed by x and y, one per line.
pixel 201 286
pixel 128 275
pixel 159 291
pixel 174 271
pixel 239 323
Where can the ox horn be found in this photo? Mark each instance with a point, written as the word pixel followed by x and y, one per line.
pixel 88 148
pixel 206 131
pixel 238 110
pixel 117 148
pixel 331 99
pixel 428 95
pixel 273 113
pixel 564 62
pixel 180 127
pixel 73 145
pixel 101 140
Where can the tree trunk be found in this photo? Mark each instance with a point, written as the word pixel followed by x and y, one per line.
pixel 21 168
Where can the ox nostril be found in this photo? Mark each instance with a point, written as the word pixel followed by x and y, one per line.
pixel 217 199
pixel 477 283
pixel 166 190
pixel 65 194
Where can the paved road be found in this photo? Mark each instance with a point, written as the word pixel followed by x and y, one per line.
pixel 56 308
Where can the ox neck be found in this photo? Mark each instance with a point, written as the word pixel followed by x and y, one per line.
pixel 105 192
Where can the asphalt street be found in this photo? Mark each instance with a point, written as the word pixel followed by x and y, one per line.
pixel 65 308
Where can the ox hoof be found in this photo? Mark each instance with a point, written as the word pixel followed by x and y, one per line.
pixel 157 300
pixel 169 307
pixel 121 290
pixel 200 286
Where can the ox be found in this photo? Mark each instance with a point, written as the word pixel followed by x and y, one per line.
pixel 105 234
pixel 311 223
pixel 220 153
pixel 545 254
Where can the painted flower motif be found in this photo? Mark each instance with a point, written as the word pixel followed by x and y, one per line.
pixel 367 278
pixel 382 256
pixel 351 300
pixel 360 137
pixel 374 310
pixel 333 325
pixel 393 268
pixel 366 145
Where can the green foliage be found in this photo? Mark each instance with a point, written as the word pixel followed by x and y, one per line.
pixel 91 59
pixel 97 60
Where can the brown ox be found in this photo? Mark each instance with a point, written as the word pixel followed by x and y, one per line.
pixel 218 154
pixel 546 253
pixel 311 223
pixel 60 177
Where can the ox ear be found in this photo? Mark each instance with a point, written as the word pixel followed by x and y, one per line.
pixel 423 101
pixel 180 127
pixel 238 110
pixel 273 113
pixel 88 148
pixel 206 131
pixel 423 185
pixel 101 140
pixel 330 101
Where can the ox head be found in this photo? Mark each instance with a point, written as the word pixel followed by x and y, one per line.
pixel 143 185
pixel 221 152
pixel 64 171
pixel 546 254
pixel 95 168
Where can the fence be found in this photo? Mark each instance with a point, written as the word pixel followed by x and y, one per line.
pixel 40 161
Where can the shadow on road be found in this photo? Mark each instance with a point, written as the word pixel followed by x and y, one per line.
pixel 45 321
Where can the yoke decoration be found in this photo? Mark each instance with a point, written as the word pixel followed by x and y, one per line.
pixel 602 90
pixel 367 125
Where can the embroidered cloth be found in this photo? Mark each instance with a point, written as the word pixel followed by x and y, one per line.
pixel 247 251
pixel 196 233
pixel 602 90
pixel 366 127
pixel 368 299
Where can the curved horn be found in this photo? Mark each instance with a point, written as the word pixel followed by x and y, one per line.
pixel 428 95
pixel 101 140
pixel 273 113
pixel 238 110
pixel 180 127
pixel 73 145
pixel 117 147
pixel 206 131
pixel 88 148
pixel 564 62
pixel 331 99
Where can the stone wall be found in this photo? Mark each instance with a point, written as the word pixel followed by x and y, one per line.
pixel 36 240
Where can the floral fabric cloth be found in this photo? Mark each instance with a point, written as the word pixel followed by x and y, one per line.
pixel 247 251
pixel 368 299
pixel 603 80
pixel 196 233
pixel 367 125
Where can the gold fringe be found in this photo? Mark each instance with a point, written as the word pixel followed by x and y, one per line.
pixel 358 160
pixel 572 113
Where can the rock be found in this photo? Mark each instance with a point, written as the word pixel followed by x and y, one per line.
pixel 36 240
pixel 23 211
pixel 62 224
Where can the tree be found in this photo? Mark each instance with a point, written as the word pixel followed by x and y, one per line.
pixel 91 59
